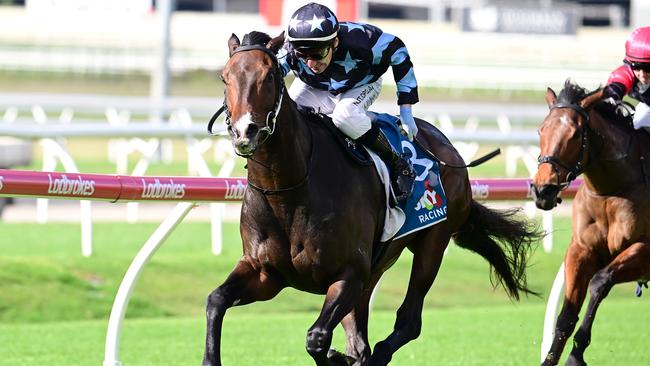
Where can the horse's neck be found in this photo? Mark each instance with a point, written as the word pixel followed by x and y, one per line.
pixel 282 161
pixel 612 153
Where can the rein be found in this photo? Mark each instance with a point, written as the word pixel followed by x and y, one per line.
pixel 472 164
pixel 579 167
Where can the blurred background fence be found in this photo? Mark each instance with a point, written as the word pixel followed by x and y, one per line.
pixel 460 49
pixel 126 87
pixel 445 55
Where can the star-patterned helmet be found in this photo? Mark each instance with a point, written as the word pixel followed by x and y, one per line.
pixel 637 47
pixel 311 26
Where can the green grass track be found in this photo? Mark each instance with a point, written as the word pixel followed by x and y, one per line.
pixel 54 305
pixel 464 336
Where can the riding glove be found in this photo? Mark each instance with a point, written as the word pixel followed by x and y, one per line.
pixel 409 129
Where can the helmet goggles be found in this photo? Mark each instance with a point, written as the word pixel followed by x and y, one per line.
pixel 316 53
pixel 645 66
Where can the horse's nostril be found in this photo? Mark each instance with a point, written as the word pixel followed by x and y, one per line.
pixel 549 190
pixel 251 131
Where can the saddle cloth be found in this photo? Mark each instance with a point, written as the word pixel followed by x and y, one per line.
pixel 427 204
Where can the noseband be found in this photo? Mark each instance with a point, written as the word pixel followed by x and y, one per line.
pixel 269 129
pixel 579 166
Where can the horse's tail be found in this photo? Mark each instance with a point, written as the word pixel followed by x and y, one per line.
pixel 485 229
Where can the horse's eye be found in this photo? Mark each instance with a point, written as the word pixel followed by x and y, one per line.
pixel 269 77
pixel 576 135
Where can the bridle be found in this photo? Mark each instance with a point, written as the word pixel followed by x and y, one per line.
pixel 271 116
pixel 269 128
pixel 579 167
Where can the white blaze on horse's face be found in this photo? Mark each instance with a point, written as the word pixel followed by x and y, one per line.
pixel 243 142
pixel 250 95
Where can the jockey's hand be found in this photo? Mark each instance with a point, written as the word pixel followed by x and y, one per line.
pixel 409 129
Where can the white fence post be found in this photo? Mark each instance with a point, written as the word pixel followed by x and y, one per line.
pixel 111 351
pixel 551 311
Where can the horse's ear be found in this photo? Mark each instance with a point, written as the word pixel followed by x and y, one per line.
pixel 592 99
pixel 550 97
pixel 233 43
pixel 275 44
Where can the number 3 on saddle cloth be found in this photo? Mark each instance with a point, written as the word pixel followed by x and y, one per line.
pixel 427 204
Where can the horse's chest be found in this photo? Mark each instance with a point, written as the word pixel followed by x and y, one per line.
pixel 306 251
pixel 613 222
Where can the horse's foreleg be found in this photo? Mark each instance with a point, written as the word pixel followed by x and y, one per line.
pixel 408 323
pixel 356 330
pixel 580 265
pixel 244 285
pixel 341 297
pixel 629 265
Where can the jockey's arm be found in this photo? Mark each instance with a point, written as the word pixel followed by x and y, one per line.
pixel 407 90
pixel 620 83
pixel 400 62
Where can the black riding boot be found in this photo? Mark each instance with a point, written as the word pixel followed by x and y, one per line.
pixel 402 174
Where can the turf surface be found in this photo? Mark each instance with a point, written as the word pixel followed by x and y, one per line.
pixel 463 336
pixel 54 305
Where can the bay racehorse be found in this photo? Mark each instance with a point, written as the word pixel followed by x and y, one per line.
pixel 312 218
pixel 611 211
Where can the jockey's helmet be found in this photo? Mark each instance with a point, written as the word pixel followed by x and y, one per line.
pixel 637 47
pixel 312 26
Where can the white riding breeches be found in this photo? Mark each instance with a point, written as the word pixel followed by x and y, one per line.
pixel 641 116
pixel 347 110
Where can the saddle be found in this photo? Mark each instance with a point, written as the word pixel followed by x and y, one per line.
pixel 353 150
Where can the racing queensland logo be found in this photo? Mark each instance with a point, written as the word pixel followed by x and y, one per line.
pixel 158 190
pixel 427 205
pixel 70 187
pixel 1 185
pixel 431 205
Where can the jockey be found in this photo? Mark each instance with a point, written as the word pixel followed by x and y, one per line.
pixel 339 68
pixel 633 77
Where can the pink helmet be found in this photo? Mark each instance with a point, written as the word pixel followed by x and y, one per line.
pixel 637 47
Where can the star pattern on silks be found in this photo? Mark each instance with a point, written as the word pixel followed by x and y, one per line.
pixel 364 81
pixel 335 85
pixel 332 19
pixel 293 24
pixel 316 23
pixel 361 57
pixel 353 26
pixel 349 63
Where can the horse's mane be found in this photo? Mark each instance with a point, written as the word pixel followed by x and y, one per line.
pixel 573 93
pixel 610 112
pixel 254 38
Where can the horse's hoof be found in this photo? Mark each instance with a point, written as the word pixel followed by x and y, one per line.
pixel 339 359
pixel 381 355
pixel 575 361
